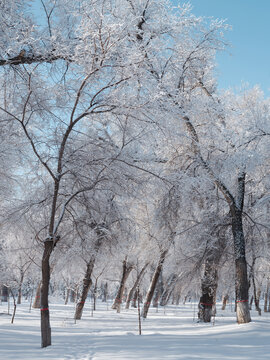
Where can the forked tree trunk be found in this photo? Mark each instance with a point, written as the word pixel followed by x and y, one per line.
pixel 134 287
pixel 87 282
pixel 150 293
pixel 126 270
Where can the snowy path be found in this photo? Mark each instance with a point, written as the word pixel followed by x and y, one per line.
pixel 108 335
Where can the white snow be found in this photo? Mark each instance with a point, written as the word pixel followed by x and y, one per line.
pixel 173 334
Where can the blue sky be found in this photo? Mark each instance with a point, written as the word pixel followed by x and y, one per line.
pixel 247 60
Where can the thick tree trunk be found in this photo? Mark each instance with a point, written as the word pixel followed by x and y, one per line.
pixel 150 293
pixel 209 287
pixel 134 287
pixel 241 278
pixel 87 282
pixel 44 297
pixel 127 268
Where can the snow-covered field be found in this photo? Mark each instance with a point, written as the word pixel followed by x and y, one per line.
pixel 173 334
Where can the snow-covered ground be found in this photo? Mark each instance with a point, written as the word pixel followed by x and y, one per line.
pixel 173 334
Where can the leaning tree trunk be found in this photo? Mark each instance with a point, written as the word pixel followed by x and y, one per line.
pixel 87 282
pixel 150 293
pixel 127 268
pixel 168 290
pixel 134 287
pixel 241 278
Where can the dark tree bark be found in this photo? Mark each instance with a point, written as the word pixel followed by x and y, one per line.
pixel 4 293
pixel 134 287
pixel 209 283
pixel 105 292
pixel 44 296
pixel 158 291
pixel 150 293
pixel 87 282
pixel 19 300
pixel 126 270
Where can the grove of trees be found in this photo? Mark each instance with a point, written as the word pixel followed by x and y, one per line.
pixel 124 170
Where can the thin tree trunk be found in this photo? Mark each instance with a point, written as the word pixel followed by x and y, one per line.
pixel 150 293
pixel 67 296
pixel 95 294
pixel 158 291
pixel 134 287
pixel 19 300
pixel 14 307
pixel 126 270
pixel 134 300
pixel 168 290
pixel 105 292
pixel 225 299
pixel 44 297
pixel 87 282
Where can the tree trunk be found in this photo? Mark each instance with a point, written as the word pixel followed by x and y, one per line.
pixel 150 293
pixel 241 278
pixel 168 290
pixel 134 287
pixel 67 295
pixel 19 300
pixel 36 303
pixel 127 268
pixel 105 292
pixel 4 293
pixel 134 300
pixel 225 299
pixel 87 282
pixel 44 297
pixel 209 287
pixel 158 291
